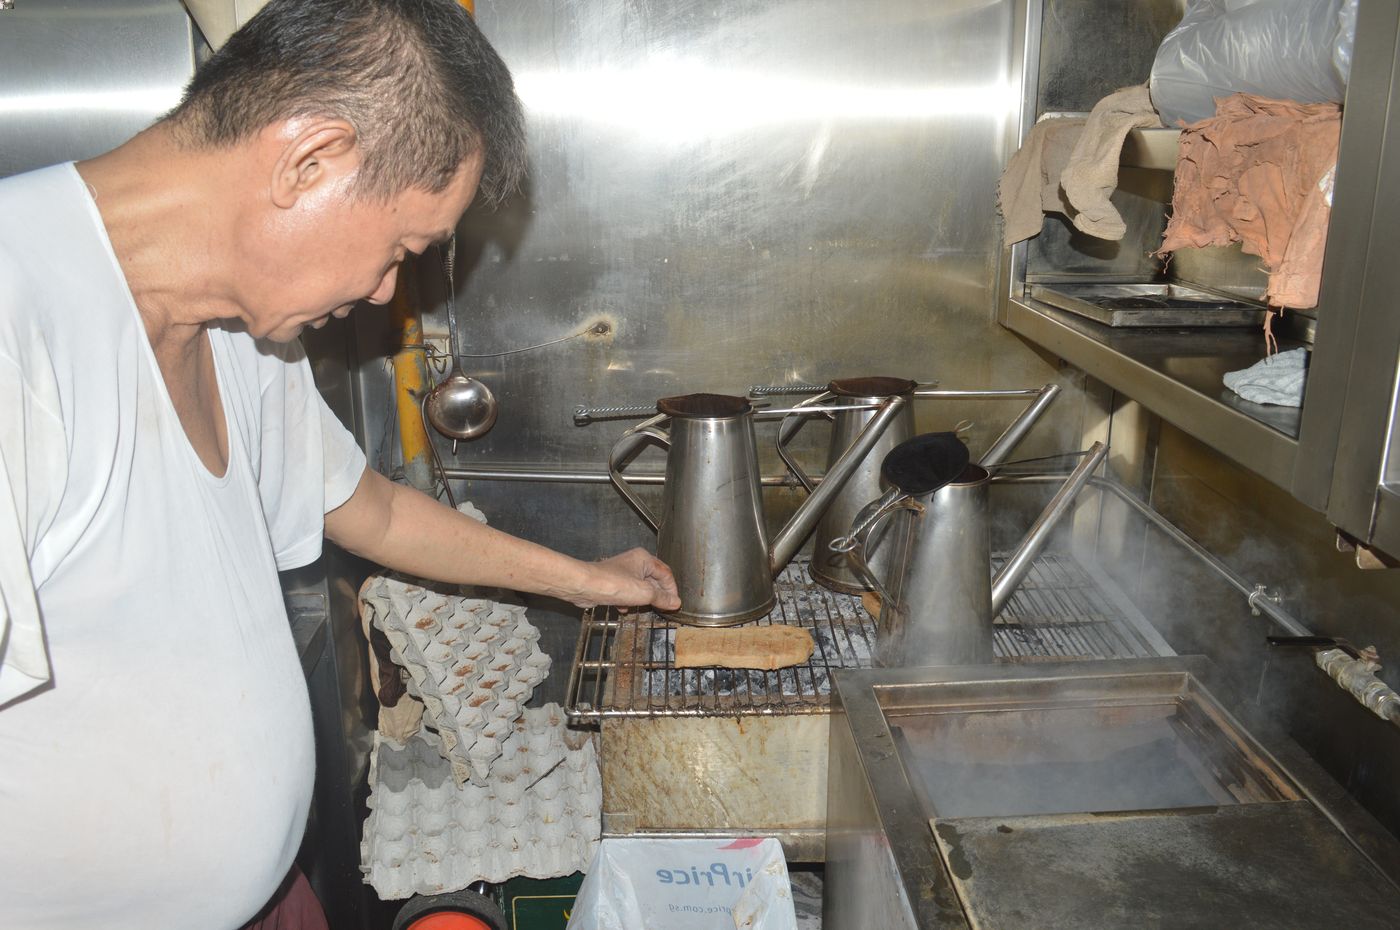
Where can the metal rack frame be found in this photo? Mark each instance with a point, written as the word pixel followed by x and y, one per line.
pixel 1064 610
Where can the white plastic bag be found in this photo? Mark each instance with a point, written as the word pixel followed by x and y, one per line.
pixel 1285 49
pixel 642 884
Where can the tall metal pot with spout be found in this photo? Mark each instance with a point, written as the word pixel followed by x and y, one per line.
pixel 854 399
pixel 710 528
pixel 939 599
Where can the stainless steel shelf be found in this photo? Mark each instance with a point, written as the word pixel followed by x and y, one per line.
pixel 1177 375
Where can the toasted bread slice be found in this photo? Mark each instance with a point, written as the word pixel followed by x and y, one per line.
pixel 761 647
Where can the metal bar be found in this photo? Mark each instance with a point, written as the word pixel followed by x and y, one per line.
pixel 586 415
pixel 1011 438
pixel 599 687
pixel 976 395
pixel 797 669
pixel 580 476
pixel 1251 591
pixel 778 390
pixel 1020 562
pixel 771 413
pixel 576 673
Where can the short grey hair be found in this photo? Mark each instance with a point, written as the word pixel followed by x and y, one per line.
pixel 419 82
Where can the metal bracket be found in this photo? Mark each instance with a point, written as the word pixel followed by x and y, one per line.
pixel 1262 593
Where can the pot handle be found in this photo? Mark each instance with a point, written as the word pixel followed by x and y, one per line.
pixel 788 428
pixel 625 450
pixel 865 522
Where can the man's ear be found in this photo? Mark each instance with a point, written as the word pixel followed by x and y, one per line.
pixel 312 152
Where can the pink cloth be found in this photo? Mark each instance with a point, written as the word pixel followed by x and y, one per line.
pixel 1259 173
pixel 294 907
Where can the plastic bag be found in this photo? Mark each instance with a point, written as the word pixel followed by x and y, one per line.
pixel 642 884
pixel 1284 49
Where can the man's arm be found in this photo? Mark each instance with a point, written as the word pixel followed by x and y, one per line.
pixel 407 530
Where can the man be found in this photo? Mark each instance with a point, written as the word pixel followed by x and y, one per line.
pixel 163 451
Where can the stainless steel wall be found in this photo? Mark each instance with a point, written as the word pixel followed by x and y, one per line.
pixel 79 77
pixel 746 191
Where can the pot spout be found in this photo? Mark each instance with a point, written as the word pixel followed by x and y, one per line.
pixel 1016 567
pixel 791 536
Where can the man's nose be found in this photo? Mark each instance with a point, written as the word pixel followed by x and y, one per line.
pixel 385 291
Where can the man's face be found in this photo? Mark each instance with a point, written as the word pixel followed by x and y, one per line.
pixel 333 250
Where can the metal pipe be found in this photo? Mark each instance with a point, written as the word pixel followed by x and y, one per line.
pixel 975 395
pixel 584 415
pixel 579 476
pixel 769 413
pixel 788 539
pixel 1358 678
pixel 411 383
pixel 1254 593
pixel 1009 440
pixel 923 389
pixel 775 390
pixel 1011 574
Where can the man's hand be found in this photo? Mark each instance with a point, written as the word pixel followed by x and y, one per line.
pixel 635 578
pixel 403 529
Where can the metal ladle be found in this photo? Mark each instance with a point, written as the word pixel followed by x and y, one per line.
pixel 459 406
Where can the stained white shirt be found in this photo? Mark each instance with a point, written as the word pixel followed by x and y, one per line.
pixel 156 755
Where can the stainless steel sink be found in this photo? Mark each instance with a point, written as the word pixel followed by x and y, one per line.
pixel 1126 793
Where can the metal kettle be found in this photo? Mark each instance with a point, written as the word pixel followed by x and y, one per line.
pixel 711 529
pixel 854 399
pixel 939 599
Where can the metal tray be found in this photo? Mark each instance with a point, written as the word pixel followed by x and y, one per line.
pixel 1149 304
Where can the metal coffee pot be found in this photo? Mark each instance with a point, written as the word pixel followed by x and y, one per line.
pixel 854 399
pixel 939 599
pixel 711 528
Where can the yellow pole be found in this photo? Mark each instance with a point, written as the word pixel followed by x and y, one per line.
pixel 411 372
pixel 410 381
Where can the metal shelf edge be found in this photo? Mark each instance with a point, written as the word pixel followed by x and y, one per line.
pixel 1254 445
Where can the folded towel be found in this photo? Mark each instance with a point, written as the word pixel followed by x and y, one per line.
pixel 1278 379
pixel 1030 185
pixel 1069 165
pixel 1092 173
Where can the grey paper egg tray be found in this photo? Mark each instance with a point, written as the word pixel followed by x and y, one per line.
pixel 538 815
pixel 472 662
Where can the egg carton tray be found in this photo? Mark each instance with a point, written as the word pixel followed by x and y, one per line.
pixel 538 815
pixel 473 662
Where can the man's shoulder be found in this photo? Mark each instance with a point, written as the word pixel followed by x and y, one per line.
pixel 41 212
pixel 55 277
pixel 30 198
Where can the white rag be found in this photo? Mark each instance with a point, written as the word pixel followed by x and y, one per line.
pixel 1277 379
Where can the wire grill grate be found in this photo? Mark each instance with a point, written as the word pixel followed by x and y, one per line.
pixel 623 665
